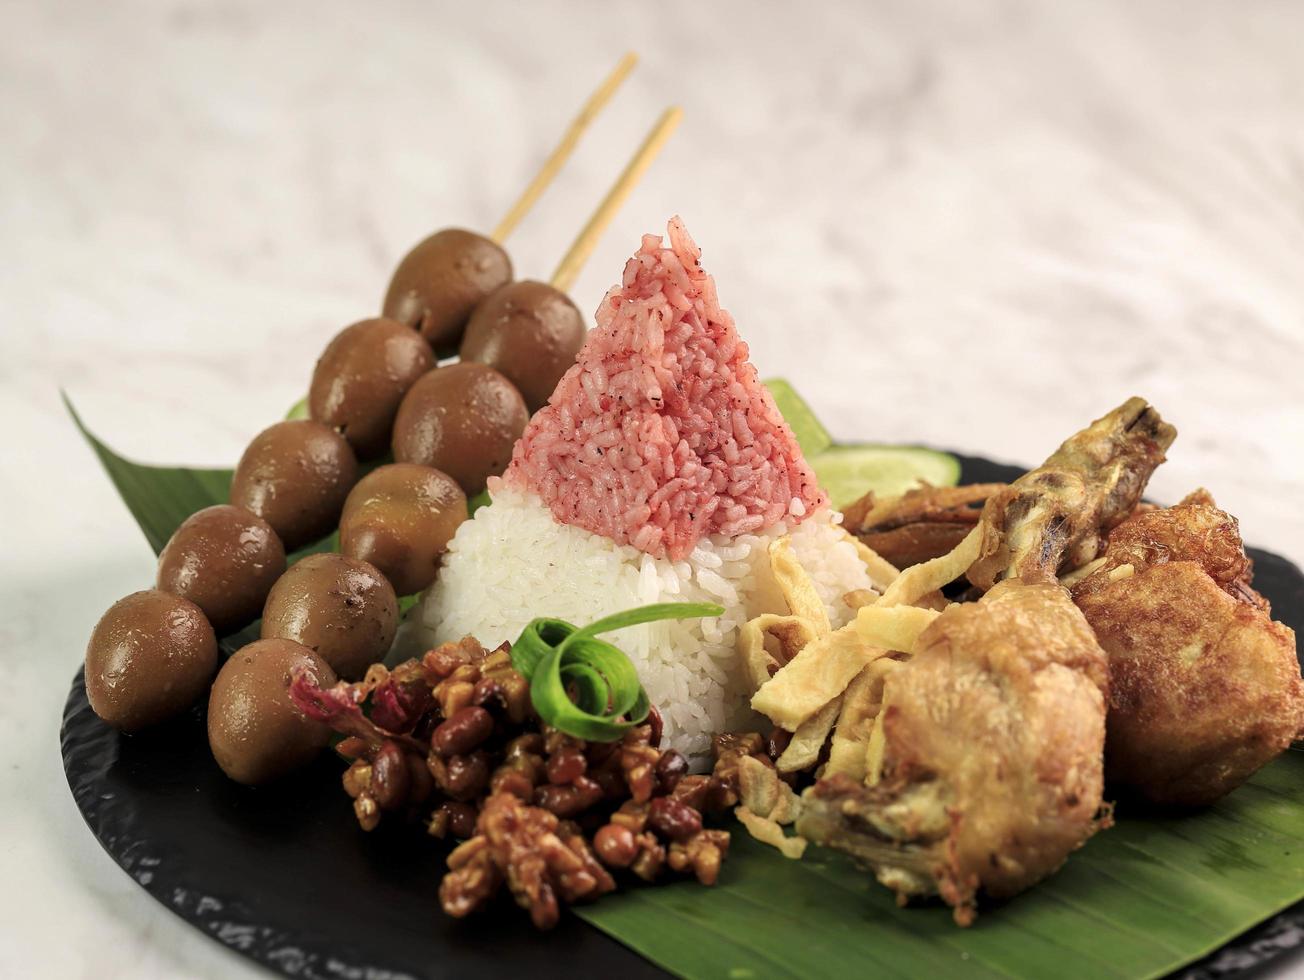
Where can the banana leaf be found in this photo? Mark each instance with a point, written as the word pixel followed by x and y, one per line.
pixel 1139 900
pixel 1142 899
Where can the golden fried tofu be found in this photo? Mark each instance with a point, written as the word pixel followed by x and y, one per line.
pixel 991 775
pixel 1205 687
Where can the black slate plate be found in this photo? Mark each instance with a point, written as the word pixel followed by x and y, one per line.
pixel 284 876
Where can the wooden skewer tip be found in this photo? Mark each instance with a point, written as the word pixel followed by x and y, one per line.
pixel 561 153
pixel 572 262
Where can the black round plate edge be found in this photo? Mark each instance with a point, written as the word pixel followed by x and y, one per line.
pixel 208 914
pixel 484 946
pixel 470 948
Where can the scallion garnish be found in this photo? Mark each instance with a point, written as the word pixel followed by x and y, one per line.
pixel 560 659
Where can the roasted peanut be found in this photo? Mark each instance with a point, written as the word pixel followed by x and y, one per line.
pixel 462 777
pixel 529 744
pixel 420 783
pixel 671 768
pixel 672 819
pixel 451 817
pixel 566 766
pixel 571 800
pixel 615 845
pixel 462 731
pixel 389 777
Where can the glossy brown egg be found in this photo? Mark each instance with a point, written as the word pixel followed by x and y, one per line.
pixel 400 518
pixel 225 560
pixel 529 332
pixel 361 378
pixel 256 732
pixel 150 657
pixel 462 419
pixel 441 281
pixel 342 608
pixel 295 476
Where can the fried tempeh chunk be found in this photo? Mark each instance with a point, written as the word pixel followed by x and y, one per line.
pixel 1206 688
pixel 992 763
pixel 1056 517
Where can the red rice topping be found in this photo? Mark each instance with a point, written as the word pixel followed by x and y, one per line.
pixel 662 433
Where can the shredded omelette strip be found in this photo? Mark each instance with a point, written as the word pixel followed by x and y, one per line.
pixel 826 685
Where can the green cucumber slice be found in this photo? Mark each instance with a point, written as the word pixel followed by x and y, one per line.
pixel 847 473
pixel 299 410
pixel 812 437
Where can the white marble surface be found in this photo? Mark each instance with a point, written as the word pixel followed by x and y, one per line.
pixel 974 224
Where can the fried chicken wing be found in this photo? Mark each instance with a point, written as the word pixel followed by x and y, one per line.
pixel 1057 516
pixel 1206 688
pixel 992 767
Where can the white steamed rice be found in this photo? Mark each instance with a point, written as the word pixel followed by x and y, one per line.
pixel 513 562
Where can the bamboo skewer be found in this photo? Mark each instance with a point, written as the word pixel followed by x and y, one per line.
pixel 573 261
pixel 569 140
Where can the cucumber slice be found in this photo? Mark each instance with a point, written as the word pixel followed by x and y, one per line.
pixel 481 499
pixel 812 437
pixel 847 473
pixel 299 410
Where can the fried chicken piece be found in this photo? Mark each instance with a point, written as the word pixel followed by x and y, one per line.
pixel 1206 688
pixel 993 733
pixel 1057 516
pixel 920 524
pixel 992 769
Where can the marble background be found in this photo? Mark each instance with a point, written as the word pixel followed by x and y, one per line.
pixel 975 225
